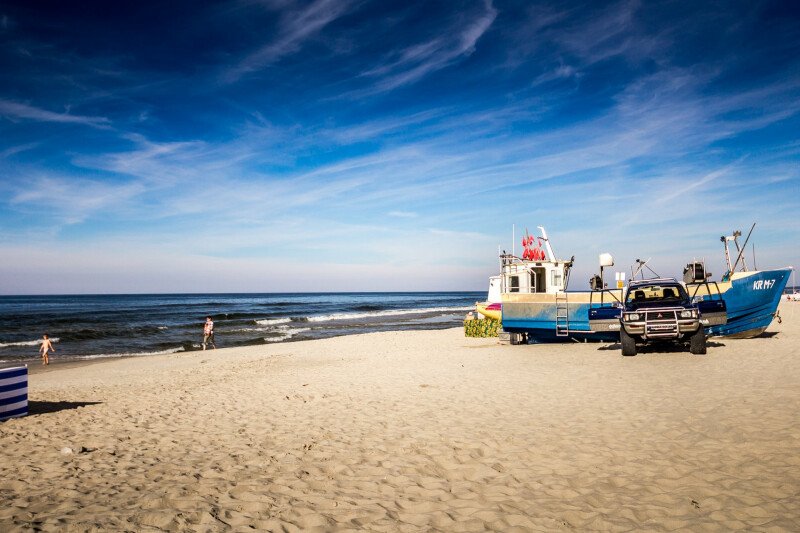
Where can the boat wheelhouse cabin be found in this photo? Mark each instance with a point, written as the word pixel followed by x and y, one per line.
pixel 529 277
pixel 537 271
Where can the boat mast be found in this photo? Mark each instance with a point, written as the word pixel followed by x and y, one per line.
pixel 741 252
pixel 725 240
pixel 640 266
pixel 514 240
pixel 740 256
pixel 550 255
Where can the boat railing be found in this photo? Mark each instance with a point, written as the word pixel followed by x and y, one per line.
pixel 510 259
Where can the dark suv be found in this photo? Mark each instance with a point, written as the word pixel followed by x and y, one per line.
pixel 658 310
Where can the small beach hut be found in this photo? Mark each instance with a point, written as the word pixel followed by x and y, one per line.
pixel 13 392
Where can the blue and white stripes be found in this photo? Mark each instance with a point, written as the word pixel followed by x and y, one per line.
pixel 13 392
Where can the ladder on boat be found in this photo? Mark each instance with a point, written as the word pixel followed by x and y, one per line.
pixel 562 314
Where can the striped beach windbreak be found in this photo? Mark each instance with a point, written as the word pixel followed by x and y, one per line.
pixel 13 392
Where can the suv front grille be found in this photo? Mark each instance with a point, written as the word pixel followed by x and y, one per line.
pixel 661 323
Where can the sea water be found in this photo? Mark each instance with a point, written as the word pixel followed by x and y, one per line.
pixel 94 326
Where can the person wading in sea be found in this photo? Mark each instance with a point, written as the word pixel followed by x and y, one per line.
pixel 46 348
pixel 208 333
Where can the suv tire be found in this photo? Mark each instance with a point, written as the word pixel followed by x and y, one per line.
pixel 628 343
pixel 697 342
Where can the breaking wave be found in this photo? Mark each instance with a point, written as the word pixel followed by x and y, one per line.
pixel 26 343
pixel 388 312
pixel 285 333
pixel 271 321
pixel 129 354
pixel 355 316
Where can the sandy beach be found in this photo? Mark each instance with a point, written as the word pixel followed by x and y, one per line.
pixel 413 431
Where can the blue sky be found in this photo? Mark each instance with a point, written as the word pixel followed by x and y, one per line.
pixel 284 145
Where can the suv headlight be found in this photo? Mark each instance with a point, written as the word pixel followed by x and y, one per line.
pixel 632 316
pixel 688 313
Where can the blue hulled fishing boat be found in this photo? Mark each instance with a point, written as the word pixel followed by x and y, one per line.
pixel 751 296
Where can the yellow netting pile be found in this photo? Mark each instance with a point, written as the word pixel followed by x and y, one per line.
pixel 481 327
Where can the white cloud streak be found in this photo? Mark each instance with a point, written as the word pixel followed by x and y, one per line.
pixel 70 200
pixel 13 150
pixel 297 26
pixel 414 62
pixel 17 111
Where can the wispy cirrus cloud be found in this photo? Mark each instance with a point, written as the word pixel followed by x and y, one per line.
pixel 16 111
pixel 414 62
pixel 567 42
pixel 612 32
pixel 297 26
pixel 13 150
pixel 69 200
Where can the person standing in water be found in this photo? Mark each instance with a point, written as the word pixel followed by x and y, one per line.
pixel 45 349
pixel 208 333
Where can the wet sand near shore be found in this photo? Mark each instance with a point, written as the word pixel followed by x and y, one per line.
pixel 413 431
pixel 56 365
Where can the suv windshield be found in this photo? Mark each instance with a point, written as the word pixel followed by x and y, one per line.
pixel 656 293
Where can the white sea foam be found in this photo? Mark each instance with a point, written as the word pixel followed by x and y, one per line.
pixel 259 329
pixel 365 314
pixel 387 312
pixel 285 332
pixel 129 354
pixel 26 343
pixel 271 321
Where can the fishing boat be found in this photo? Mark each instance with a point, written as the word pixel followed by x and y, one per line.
pixel 536 305
pixel 751 296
